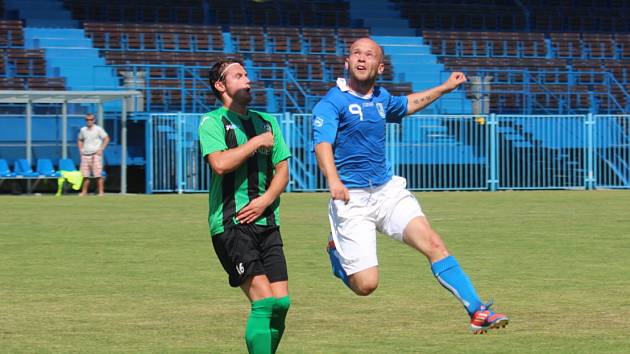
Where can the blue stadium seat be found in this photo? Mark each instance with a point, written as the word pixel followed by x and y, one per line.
pixel 45 168
pixel 4 169
pixel 67 165
pixel 22 168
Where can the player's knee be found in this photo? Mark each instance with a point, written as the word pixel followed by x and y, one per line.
pixel 281 306
pixel 364 290
pixel 364 287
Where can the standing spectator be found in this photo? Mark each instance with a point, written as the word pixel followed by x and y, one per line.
pixel 92 141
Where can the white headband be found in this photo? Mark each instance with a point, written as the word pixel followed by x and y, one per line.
pixel 226 68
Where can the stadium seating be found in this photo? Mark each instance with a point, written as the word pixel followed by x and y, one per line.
pixel 316 54
pixel 23 169
pixel 574 73
pixel 526 15
pixel 165 11
pixel 67 165
pixel 463 15
pixel 579 16
pixel 4 169
pixel 45 169
pixel 11 34
pixel 302 13
pixel 23 69
pixel 310 38
pixel 162 37
pixel 310 55
pixel 486 44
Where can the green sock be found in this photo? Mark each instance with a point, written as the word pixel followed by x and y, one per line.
pixel 280 309
pixel 257 333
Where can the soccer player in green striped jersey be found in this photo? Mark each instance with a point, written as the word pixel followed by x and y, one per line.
pixel 248 158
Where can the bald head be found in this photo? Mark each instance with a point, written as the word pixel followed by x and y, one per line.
pixel 364 63
pixel 367 42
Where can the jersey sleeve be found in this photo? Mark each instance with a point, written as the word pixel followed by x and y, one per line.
pixel 81 137
pixel 280 151
pixel 325 122
pixel 211 135
pixel 396 108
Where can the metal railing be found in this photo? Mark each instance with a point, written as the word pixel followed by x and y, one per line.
pixel 549 91
pixel 278 88
pixel 183 88
pixel 480 152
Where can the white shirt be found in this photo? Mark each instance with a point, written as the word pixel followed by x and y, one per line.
pixel 92 139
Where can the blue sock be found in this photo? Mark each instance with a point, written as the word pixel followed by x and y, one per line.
pixel 337 269
pixel 453 278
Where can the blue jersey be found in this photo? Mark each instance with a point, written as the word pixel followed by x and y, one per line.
pixel 355 127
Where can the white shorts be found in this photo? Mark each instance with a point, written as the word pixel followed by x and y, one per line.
pixel 387 208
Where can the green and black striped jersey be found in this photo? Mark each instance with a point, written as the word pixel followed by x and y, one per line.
pixel 223 129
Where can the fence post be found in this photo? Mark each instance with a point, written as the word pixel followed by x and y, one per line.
pixel 179 180
pixel 390 143
pixel 492 126
pixel 286 128
pixel 148 143
pixel 589 179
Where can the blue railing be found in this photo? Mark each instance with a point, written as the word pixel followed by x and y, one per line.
pixel 169 88
pixel 276 88
pixel 480 152
pixel 551 91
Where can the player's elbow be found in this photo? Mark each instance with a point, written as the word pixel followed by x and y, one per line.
pixel 219 172
pixel 219 169
pixel 218 166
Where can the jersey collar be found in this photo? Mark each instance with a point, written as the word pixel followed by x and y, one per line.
pixel 234 114
pixel 343 86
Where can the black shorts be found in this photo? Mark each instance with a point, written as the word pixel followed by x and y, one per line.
pixel 246 250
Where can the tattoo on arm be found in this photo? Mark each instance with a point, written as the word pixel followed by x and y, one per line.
pixel 422 99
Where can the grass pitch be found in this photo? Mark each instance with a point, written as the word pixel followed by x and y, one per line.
pixel 137 274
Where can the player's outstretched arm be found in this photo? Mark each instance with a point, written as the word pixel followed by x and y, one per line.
pixel 419 100
pixel 223 162
pixel 252 211
pixel 326 162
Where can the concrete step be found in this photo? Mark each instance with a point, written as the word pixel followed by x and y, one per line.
pixel 75 53
pixel 413 59
pixel 70 54
pixel 399 31
pixel 407 50
pixel 63 42
pixel 402 41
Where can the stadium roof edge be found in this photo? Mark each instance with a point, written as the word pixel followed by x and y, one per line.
pixel 15 96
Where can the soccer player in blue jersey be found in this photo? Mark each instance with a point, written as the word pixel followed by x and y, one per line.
pixel 349 138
